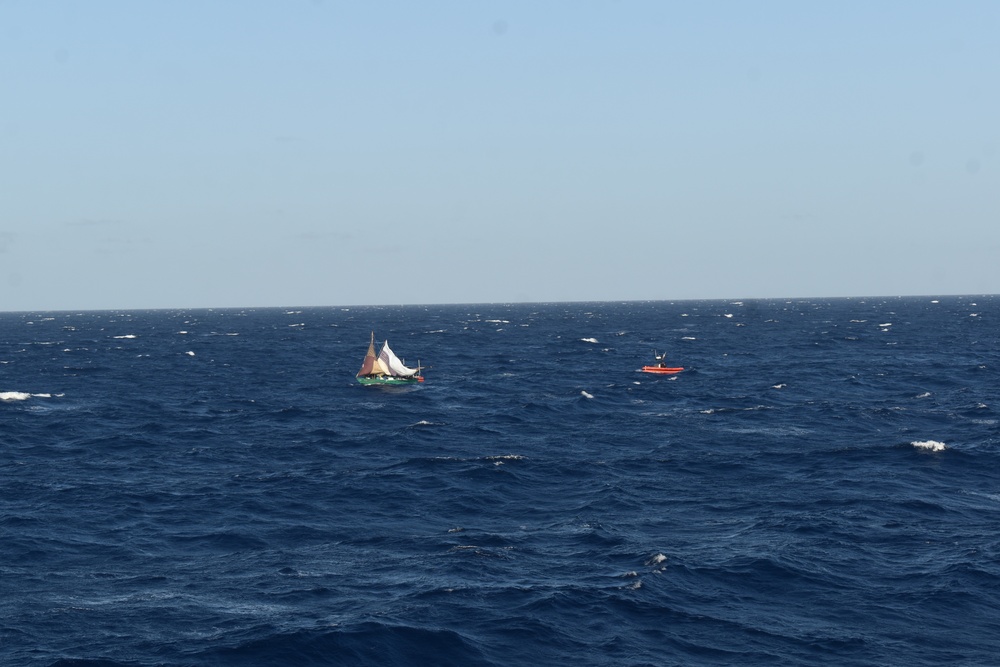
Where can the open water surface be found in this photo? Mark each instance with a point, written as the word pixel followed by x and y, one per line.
pixel 210 487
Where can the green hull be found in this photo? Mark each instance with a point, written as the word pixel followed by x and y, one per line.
pixel 387 380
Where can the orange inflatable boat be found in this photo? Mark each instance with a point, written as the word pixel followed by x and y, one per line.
pixel 662 370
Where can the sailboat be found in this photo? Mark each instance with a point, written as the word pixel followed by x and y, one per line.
pixel 386 367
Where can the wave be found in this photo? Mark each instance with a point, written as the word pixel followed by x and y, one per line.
pixel 90 662
pixel 20 396
pixel 930 445
pixel 367 643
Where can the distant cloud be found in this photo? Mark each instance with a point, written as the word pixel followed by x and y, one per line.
pixel 324 236
pixel 90 222
pixel 106 235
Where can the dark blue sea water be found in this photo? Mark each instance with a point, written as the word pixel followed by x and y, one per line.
pixel 210 487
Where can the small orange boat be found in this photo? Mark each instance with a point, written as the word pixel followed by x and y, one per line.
pixel 661 370
pixel 661 367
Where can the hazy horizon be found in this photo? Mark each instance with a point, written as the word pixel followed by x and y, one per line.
pixel 507 303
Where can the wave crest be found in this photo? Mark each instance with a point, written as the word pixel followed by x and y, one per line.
pixel 930 445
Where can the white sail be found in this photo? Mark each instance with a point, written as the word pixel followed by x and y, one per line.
pixel 395 366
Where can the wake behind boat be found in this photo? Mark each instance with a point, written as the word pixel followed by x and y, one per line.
pixel 386 368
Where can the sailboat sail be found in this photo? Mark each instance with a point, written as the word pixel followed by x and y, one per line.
pixel 392 362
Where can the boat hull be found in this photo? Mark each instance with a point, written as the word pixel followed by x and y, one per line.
pixel 661 370
pixel 389 380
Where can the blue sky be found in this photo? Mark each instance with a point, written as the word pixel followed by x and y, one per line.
pixel 164 154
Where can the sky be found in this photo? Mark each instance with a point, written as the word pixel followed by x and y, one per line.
pixel 254 153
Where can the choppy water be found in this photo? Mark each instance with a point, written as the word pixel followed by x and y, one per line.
pixel 822 485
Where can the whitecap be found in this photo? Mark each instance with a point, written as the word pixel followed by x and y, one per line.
pixel 728 315
pixel 887 324
pixel 586 394
pixel 688 338
pixel 589 340
pixel 14 396
pixel 656 560
pixel 125 336
pixel 779 386
pixel 924 395
pixel 189 353
pixel 931 445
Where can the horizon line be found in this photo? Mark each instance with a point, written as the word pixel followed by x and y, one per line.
pixel 496 303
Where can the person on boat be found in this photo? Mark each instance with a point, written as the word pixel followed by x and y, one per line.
pixel 661 359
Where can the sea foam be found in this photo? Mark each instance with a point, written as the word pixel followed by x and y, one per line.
pixel 930 445
pixel 21 395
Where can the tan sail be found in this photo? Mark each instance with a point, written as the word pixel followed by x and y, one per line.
pixel 371 365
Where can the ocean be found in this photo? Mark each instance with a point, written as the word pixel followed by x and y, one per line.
pixel 820 485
